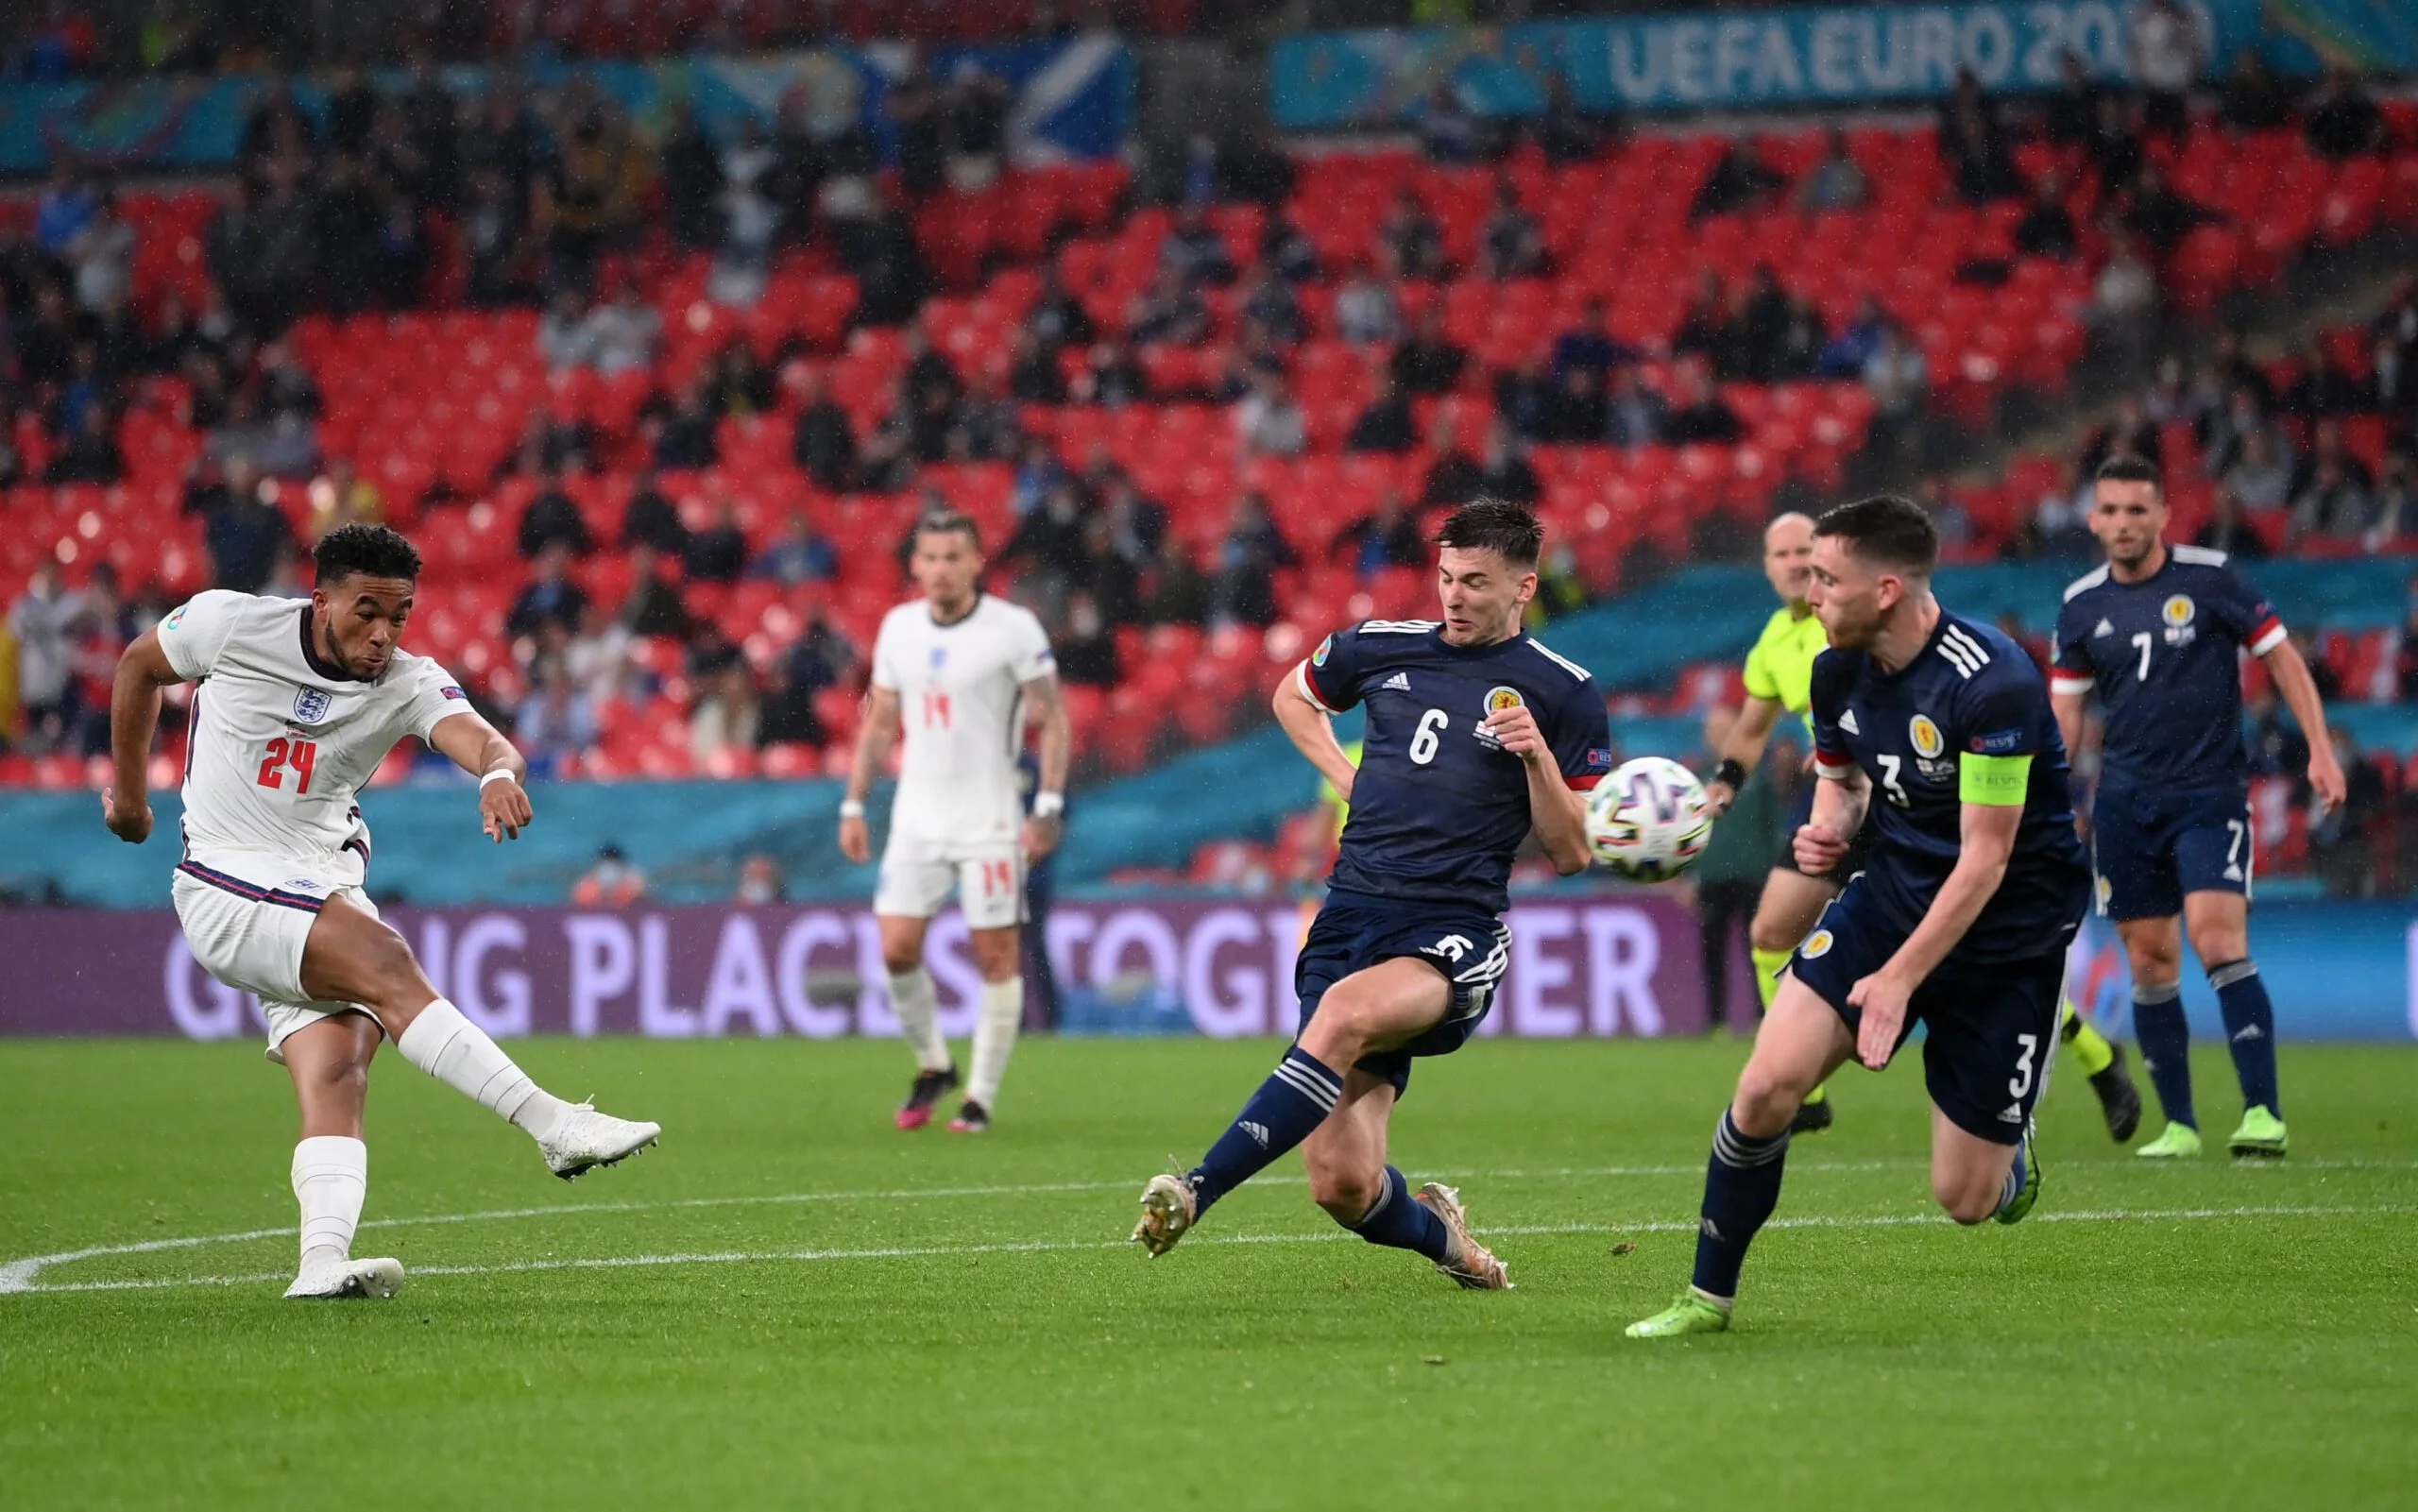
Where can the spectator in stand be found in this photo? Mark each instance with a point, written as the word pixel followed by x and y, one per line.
pixel 1366 312
pixel 1114 377
pixel 914 108
pixel 1574 412
pixel 2167 51
pixel 691 173
pixel 1269 422
pixel 1452 473
pixel 1897 377
pixel 1564 132
pixel 1772 336
pixel 726 714
pixel 613 882
pixel 1512 242
pixel 1591 344
pixel 2396 500
pixel 1979 157
pixel 2392 385
pixel 974 126
pixel 244 537
pixel 2123 298
pixel 1846 354
pixel 2047 228
pixel 1040 470
pixel 1428 361
pixel 1703 418
pixel 1056 318
pixel 1386 537
pixel 1271 316
pixel 824 443
pixel 2071 113
pixel 67 208
pixel 1034 376
pixel 623 333
pixel 653 519
pixel 2226 531
pixel 1107 576
pixel 2173 399
pixel 2334 505
pixel 1168 311
pixel 2242 413
pixel 1836 183
pixel 88 391
pixel 1137 524
pixel 685 439
pixel 1387 425
pixel 1248 560
pixel 556 723
pixel 1411 240
pixel 100 257
pixel 1954 523
pixel 1194 252
pixel 43 622
pixel 654 605
pixel 1048 544
pixel 1703 331
pixel 2160 214
pixel 2343 122
pixel 563 336
pixel 2260 480
pixel 718 554
pixel 2398 323
pixel 1086 645
pixel 2129 432
pixel 549 598
pixel 1740 183
pixel 738 384
pixel 987 426
pixel 1502 472
pixel 1522 392
pixel 1181 593
pixel 1448 132
pixel 2328 449
pixel 1287 250
pixel 799 555
pixel 1635 414
pixel 497 249
pixel 554 518
pixel 91 454
pixel 342 497
pixel 2252 98
pixel 2324 389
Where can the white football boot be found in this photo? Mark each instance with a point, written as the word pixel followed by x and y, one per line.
pixel 326 1276
pixel 586 1139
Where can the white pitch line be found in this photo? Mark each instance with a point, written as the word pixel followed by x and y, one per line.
pixel 733 1257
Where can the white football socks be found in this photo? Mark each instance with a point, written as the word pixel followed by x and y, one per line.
pixel 995 1036
pixel 915 1002
pixel 458 1053
pixel 331 1179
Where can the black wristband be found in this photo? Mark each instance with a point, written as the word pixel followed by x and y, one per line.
pixel 1730 773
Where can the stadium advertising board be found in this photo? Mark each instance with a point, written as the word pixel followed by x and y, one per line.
pixel 1625 964
pixel 1738 59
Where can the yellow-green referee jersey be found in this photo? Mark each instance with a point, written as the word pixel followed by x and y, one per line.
pixel 1780 667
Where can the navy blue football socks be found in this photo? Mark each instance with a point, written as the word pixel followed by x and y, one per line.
pixel 1291 1103
pixel 2250 1031
pixel 1394 1219
pixel 2165 1049
pixel 1741 1188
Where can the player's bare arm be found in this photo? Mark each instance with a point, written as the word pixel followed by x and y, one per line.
pixel 1987 842
pixel 1839 804
pixel 2074 726
pixel 1046 705
pixel 143 672
pixel 874 736
pixel 1557 810
pixel 1749 735
pixel 1312 731
pixel 474 746
pixel 2299 693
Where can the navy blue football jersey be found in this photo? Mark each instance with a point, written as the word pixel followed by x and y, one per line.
pixel 2163 656
pixel 1439 808
pixel 1971 698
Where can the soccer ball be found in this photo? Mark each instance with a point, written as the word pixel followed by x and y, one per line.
pixel 1647 821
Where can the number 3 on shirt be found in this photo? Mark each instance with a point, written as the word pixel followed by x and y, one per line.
pixel 300 755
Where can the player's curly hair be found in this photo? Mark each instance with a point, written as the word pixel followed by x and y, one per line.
pixel 1491 525
pixel 373 551
pixel 1887 530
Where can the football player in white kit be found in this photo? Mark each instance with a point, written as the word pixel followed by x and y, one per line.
pixel 295 705
pixel 962 673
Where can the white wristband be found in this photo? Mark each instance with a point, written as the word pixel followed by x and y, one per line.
pixel 499 775
pixel 1049 805
pixel 852 808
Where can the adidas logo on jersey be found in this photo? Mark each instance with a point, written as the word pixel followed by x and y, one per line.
pixel 1846 722
pixel 2104 629
pixel 1398 682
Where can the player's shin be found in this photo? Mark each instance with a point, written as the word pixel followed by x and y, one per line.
pixel 2165 1049
pixel 1288 1106
pixel 2250 1031
pixel 457 1052
pixel 1741 1189
pixel 1397 1221
pixel 915 1002
pixel 995 1038
pixel 331 1180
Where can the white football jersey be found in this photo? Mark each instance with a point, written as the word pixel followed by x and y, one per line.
pixel 280 742
pixel 961 705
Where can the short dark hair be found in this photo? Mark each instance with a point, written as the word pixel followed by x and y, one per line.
pixel 373 551
pixel 1888 530
pixel 2125 467
pixel 1489 524
pixel 946 522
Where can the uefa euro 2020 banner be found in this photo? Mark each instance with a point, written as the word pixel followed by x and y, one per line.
pixel 1580 966
pixel 1747 58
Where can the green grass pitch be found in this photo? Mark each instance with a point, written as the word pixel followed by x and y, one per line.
pixel 791 1305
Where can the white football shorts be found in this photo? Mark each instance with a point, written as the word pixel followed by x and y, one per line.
pixel 245 917
pixel 919 876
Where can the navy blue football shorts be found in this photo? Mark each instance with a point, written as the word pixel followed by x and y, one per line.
pixel 1992 1030
pixel 2150 846
pixel 1353 933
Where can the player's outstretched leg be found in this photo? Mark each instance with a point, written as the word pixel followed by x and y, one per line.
pixel 330 1062
pixel 1801 1041
pixel 1351 1180
pixel 2102 1061
pixel 352 958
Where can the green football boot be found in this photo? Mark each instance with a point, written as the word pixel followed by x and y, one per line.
pixel 2029 1192
pixel 2181 1142
pixel 2260 1136
pixel 1690 1315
